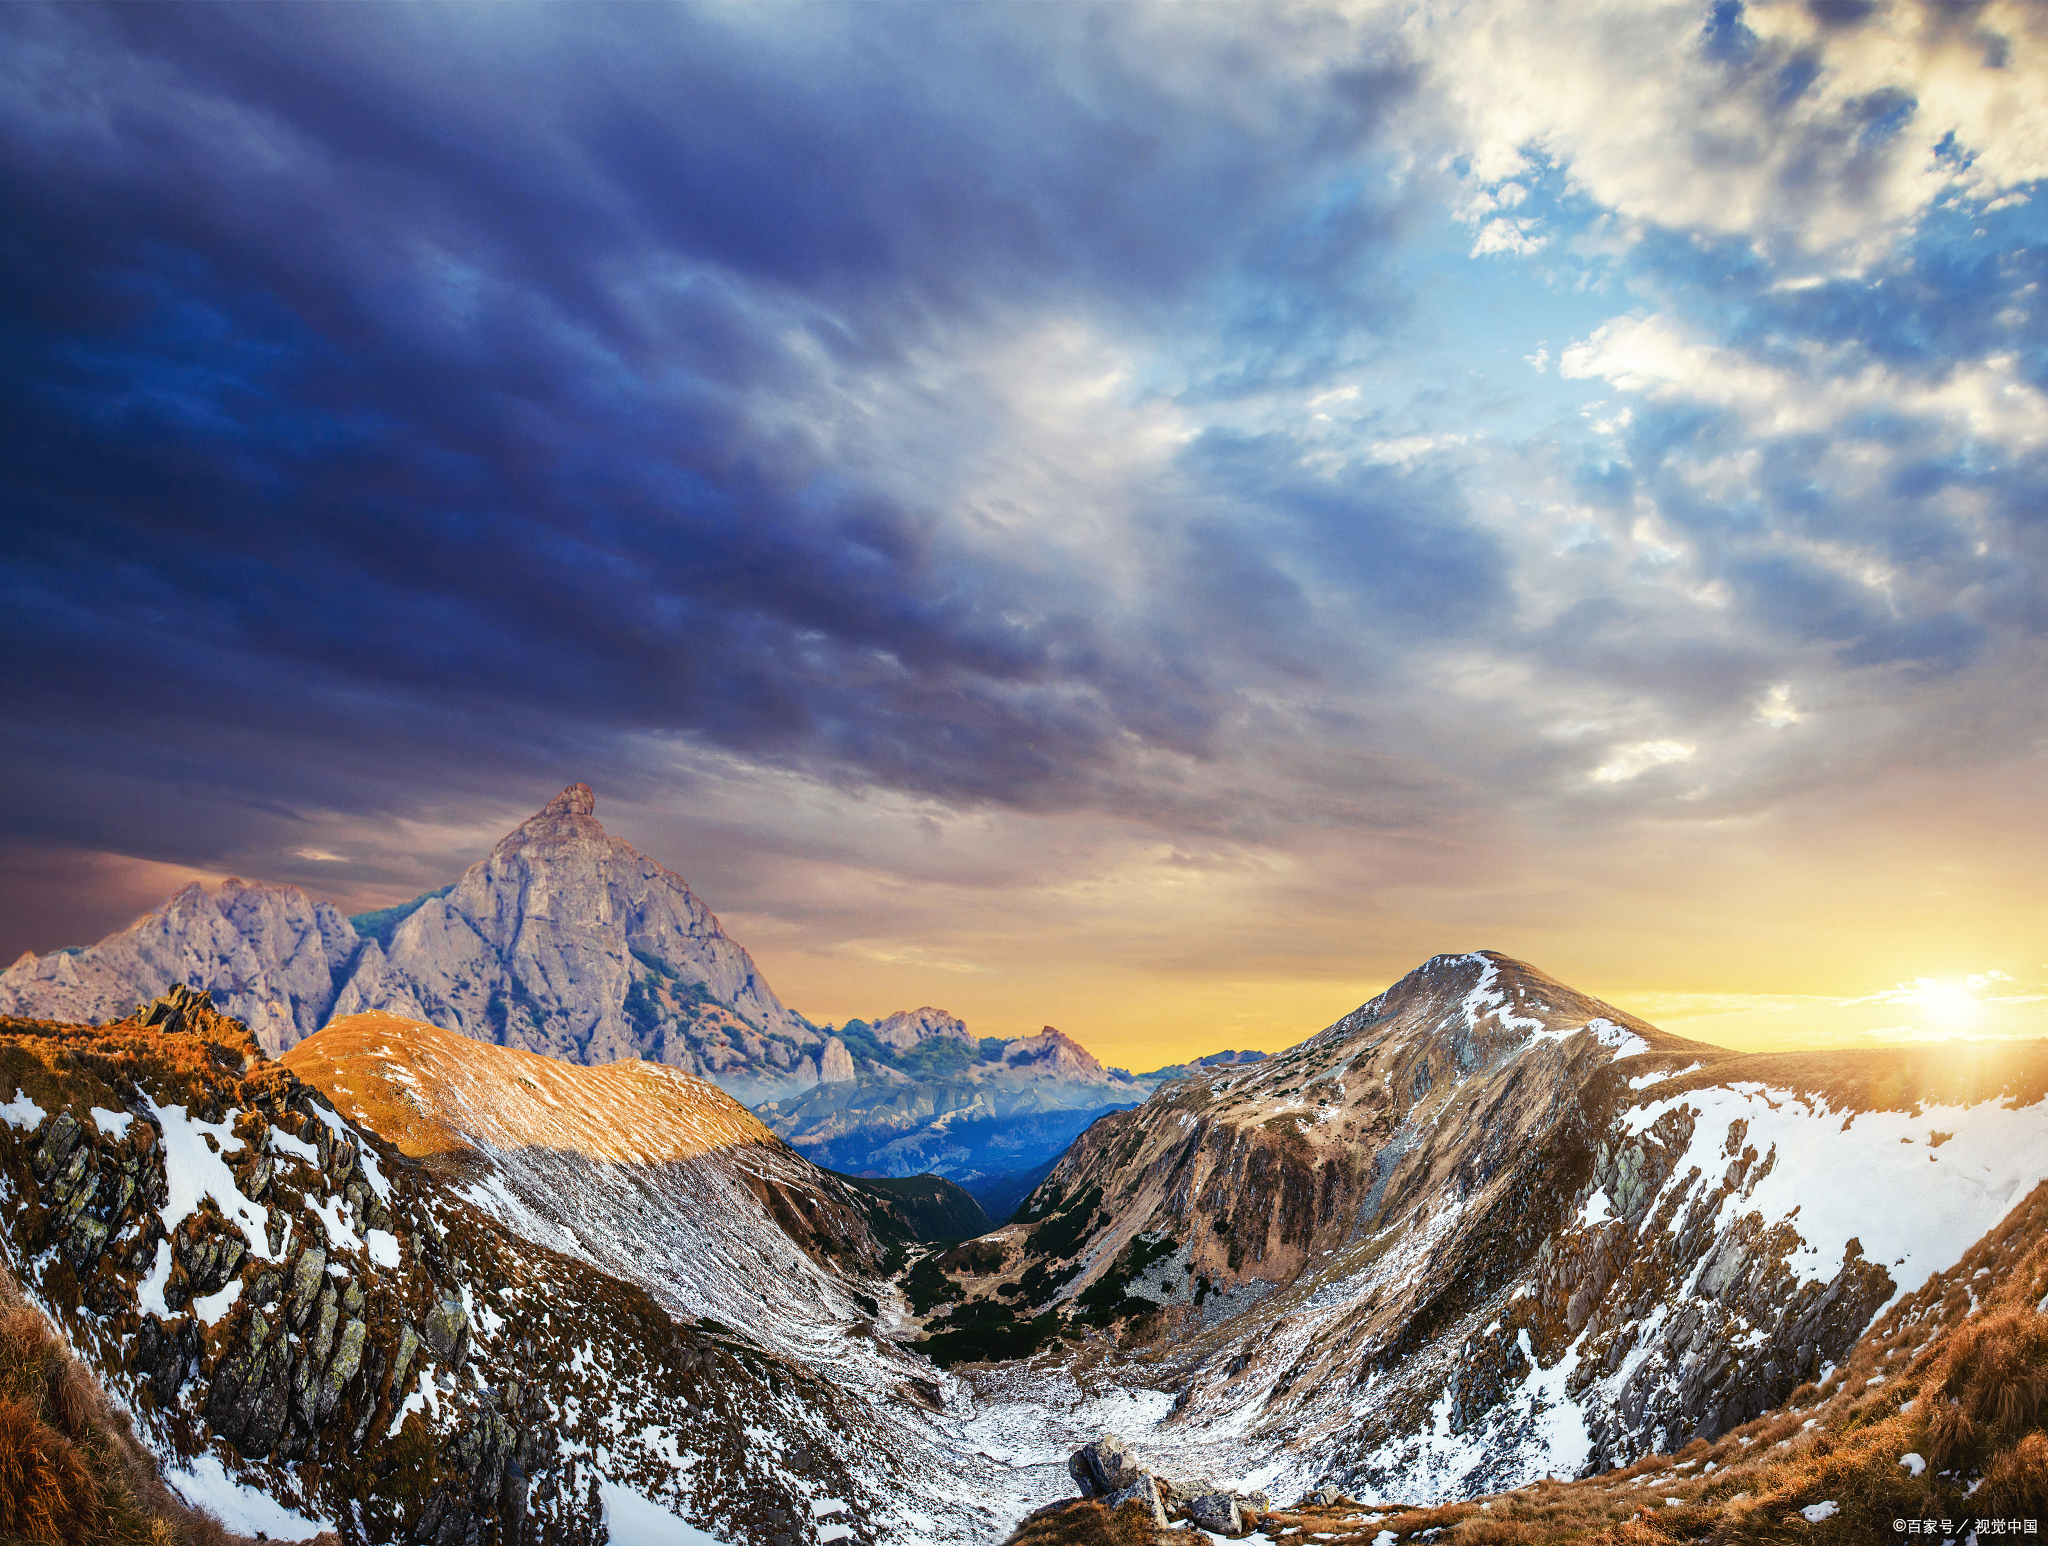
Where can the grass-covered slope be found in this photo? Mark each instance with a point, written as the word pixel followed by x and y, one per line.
pixel 72 1472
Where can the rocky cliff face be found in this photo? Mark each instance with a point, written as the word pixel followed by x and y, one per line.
pixel 569 942
pixel 560 1295
pixel 1485 1228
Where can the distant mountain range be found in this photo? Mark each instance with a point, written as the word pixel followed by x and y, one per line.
pixel 927 1097
pixel 569 942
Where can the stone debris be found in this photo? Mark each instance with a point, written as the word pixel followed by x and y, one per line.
pixel 1109 1471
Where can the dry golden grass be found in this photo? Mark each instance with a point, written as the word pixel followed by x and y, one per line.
pixel 1078 1523
pixel 436 1092
pixel 71 1470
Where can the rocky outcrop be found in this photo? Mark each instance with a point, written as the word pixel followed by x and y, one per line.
pixel 909 1027
pixel 835 1063
pixel 1108 1470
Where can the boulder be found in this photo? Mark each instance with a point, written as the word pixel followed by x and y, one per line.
pixel 1105 1466
pixel 447 1333
pixel 1144 1491
pixel 1217 1511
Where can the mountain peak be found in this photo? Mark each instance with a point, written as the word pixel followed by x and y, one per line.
pixel 576 800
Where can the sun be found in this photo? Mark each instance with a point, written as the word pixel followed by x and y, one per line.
pixel 1951 1005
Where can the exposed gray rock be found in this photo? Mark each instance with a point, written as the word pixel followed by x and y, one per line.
pixel 835 1063
pixel 563 941
pixel 908 1027
pixel 1104 1467
pixel 1216 1511
pixel 447 1333
pixel 271 956
pixel 541 944
pixel 1145 1490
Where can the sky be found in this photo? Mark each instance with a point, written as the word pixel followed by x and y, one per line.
pixel 1147 519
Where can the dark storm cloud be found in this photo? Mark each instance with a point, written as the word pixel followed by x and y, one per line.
pixel 401 396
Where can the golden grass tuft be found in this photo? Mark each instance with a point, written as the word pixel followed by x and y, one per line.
pixel 48 1494
pixel 1991 1387
pixel 72 1472
pixel 1078 1523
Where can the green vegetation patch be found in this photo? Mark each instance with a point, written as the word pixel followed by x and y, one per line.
pixel 1108 1298
pixel 381 923
pixel 924 1210
pixel 986 1332
pixel 926 1287
pixel 1067 1226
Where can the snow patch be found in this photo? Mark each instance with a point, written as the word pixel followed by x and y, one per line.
pixel 282 1142
pixel 1916 1464
pixel 1814 1513
pixel 194 1169
pixel 22 1111
pixel 1875 1182
pixel 1598 1210
pixel 149 1293
pixel 383 1247
pixel 114 1124
pixel 206 1484
pixel 214 1306
pixel 637 1521
pixel 1625 1043
pixel 339 1233
pixel 1659 1075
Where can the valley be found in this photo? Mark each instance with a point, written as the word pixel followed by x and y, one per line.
pixel 434 1273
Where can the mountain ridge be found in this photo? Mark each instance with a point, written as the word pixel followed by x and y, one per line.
pixel 1484 1226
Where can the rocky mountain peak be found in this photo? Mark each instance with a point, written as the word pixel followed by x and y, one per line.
pixel 576 800
pixel 908 1027
pixel 569 820
pixel 1055 1053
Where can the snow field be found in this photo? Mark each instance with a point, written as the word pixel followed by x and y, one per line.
pixel 1872 1176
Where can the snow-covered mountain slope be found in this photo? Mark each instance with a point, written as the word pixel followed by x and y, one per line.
pixel 1932 1425
pixel 476 1333
pixel 1485 1228
pixel 641 1170
pixel 273 958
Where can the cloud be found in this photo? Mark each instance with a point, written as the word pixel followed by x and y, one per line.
pixel 1811 389
pixel 1634 760
pixel 1821 142
pixel 1099 464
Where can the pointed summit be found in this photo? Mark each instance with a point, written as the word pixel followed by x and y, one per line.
pixel 576 800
